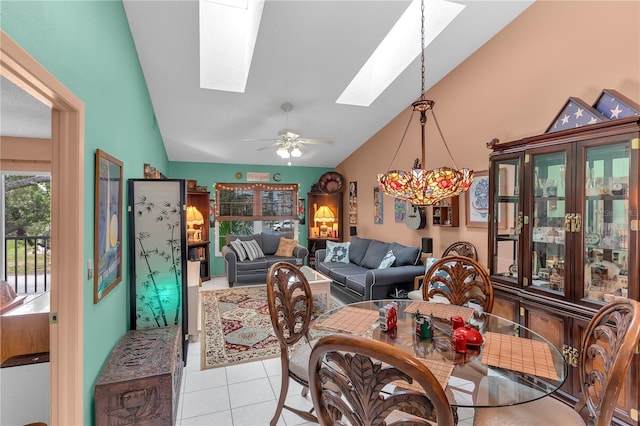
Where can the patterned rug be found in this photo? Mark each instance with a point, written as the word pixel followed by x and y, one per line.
pixel 237 327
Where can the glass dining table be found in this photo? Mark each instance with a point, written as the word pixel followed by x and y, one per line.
pixel 511 365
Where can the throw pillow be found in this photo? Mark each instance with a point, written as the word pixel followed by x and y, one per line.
pixel 337 252
pixel 236 245
pixel 253 249
pixel 387 260
pixel 286 247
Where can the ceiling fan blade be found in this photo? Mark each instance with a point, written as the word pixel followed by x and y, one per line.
pixel 268 146
pixel 261 140
pixel 315 141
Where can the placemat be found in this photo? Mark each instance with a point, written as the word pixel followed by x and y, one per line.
pixel 350 319
pixel 518 354
pixel 440 310
pixel 442 371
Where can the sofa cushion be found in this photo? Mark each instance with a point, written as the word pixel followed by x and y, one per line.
pixel 374 255
pixel 270 242
pixel 387 260
pixel 405 255
pixel 253 249
pixel 357 249
pixel 253 266
pixel 286 246
pixel 236 245
pixel 337 252
pixel 356 283
pixel 340 274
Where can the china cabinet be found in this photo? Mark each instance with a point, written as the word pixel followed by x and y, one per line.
pixel 563 234
pixel 324 221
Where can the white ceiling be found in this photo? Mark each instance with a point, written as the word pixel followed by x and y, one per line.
pixel 306 53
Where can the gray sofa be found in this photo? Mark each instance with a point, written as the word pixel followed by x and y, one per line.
pixel 360 279
pixel 255 271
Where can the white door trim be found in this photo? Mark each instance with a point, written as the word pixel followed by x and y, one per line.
pixel 67 184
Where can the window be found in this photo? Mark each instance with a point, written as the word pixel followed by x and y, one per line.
pixel 244 209
pixel 257 201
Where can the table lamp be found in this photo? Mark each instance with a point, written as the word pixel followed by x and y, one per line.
pixel 194 217
pixel 324 215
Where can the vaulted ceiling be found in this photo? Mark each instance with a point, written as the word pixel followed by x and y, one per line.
pixel 306 53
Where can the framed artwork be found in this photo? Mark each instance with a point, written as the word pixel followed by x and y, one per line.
pixel 377 205
pixel 107 249
pixel 302 212
pixel 212 213
pixel 353 203
pixel 477 201
pixel 399 209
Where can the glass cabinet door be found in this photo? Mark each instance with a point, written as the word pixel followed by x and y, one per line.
pixel 547 232
pixel 605 222
pixel 506 219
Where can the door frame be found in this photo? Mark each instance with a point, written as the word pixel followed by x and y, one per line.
pixel 67 184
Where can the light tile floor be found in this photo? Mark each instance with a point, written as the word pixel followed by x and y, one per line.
pixel 243 394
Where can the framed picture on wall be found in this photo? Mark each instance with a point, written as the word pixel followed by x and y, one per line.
pixel 302 211
pixel 107 247
pixel 377 205
pixel 353 203
pixel 477 201
pixel 399 209
pixel 212 213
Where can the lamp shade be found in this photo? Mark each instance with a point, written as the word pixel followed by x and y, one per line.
pixel 427 245
pixel 324 214
pixel 194 217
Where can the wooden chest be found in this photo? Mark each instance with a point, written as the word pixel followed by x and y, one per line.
pixel 140 383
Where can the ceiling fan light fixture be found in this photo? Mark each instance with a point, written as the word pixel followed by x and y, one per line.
pixel 295 152
pixel 283 152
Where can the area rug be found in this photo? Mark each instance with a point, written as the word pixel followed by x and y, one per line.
pixel 236 326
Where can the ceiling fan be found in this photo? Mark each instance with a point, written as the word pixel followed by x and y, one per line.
pixel 290 144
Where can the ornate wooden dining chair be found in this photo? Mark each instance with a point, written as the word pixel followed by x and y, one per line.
pixel 461 280
pixel 461 248
pixel 608 345
pixel 347 374
pixel 291 309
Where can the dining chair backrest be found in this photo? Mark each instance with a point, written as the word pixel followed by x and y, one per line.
pixel 291 309
pixel 461 280
pixel 347 374
pixel 461 248
pixel 608 345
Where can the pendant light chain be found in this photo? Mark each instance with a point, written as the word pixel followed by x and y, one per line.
pixel 422 69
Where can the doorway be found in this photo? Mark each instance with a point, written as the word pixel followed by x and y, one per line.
pixel 67 177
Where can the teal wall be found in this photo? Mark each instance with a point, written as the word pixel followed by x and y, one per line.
pixel 87 45
pixel 207 174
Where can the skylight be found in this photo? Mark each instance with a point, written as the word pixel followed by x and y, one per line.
pixel 398 49
pixel 228 32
